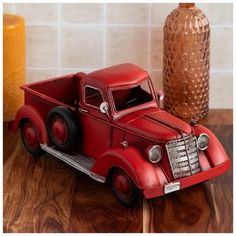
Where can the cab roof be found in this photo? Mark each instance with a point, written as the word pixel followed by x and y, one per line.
pixel 119 75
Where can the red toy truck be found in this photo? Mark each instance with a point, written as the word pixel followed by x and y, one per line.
pixel 108 124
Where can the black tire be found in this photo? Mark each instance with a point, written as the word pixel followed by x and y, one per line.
pixel 128 200
pixel 33 150
pixel 65 115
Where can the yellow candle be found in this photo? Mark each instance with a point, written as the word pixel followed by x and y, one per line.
pixel 13 64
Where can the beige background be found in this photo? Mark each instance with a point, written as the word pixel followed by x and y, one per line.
pixel 67 38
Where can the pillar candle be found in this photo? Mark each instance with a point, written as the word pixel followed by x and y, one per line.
pixel 13 64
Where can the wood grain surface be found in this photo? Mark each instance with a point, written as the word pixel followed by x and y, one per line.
pixel 47 195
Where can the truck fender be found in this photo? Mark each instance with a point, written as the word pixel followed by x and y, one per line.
pixel 37 114
pixel 130 160
pixel 215 151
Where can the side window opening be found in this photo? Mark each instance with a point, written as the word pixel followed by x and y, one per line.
pixel 93 96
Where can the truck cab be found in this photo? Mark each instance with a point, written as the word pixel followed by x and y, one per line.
pixel 108 124
pixel 107 97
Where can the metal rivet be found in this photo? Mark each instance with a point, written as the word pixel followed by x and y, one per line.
pixel 124 144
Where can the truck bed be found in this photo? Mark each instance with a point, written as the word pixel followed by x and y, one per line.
pixel 57 91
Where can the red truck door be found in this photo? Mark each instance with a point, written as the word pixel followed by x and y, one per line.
pixel 96 128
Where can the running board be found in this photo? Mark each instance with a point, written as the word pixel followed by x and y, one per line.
pixel 79 162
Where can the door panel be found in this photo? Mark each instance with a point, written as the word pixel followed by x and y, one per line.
pixel 95 126
pixel 96 136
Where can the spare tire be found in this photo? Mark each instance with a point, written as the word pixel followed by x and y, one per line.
pixel 62 128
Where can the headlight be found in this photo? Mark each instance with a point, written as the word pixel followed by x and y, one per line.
pixel 202 142
pixel 154 153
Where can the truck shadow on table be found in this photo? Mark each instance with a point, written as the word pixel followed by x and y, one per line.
pixel 196 209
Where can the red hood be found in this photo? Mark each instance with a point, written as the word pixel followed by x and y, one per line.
pixel 155 124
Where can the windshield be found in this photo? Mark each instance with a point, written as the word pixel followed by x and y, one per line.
pixel 131 97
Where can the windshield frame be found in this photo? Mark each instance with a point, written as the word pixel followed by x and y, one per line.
pixel 152 103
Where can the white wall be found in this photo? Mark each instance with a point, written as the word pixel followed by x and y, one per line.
pixel 65 38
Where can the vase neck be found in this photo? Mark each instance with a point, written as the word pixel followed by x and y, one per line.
pixel 186 5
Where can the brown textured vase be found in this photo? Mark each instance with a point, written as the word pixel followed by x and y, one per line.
pixel 186 62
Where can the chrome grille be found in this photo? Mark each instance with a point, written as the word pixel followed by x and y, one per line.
pixel 183 156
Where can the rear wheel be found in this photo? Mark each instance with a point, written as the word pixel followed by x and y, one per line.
pixel 62 128
pixel 124 188
pixel 30 138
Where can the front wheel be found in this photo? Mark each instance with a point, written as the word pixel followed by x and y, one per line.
pixel 30 138
pixel 124 188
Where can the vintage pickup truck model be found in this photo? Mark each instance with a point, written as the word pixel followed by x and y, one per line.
pixel 108 124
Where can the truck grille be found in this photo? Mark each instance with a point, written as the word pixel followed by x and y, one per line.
pixel 183 156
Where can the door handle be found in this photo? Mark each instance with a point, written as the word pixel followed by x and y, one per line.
pixel 83 110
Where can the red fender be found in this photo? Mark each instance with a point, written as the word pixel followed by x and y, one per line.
pixel 143 173
pixel 215 151
pixel 37 113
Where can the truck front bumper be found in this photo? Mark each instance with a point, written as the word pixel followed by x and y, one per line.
pixel 187 181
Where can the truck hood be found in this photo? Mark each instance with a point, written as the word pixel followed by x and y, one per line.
pixel 155 124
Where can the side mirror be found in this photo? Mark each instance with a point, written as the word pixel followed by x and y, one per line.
pixel 104 108
pixel 160 96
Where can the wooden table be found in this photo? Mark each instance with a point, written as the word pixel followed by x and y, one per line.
pixel 47 195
